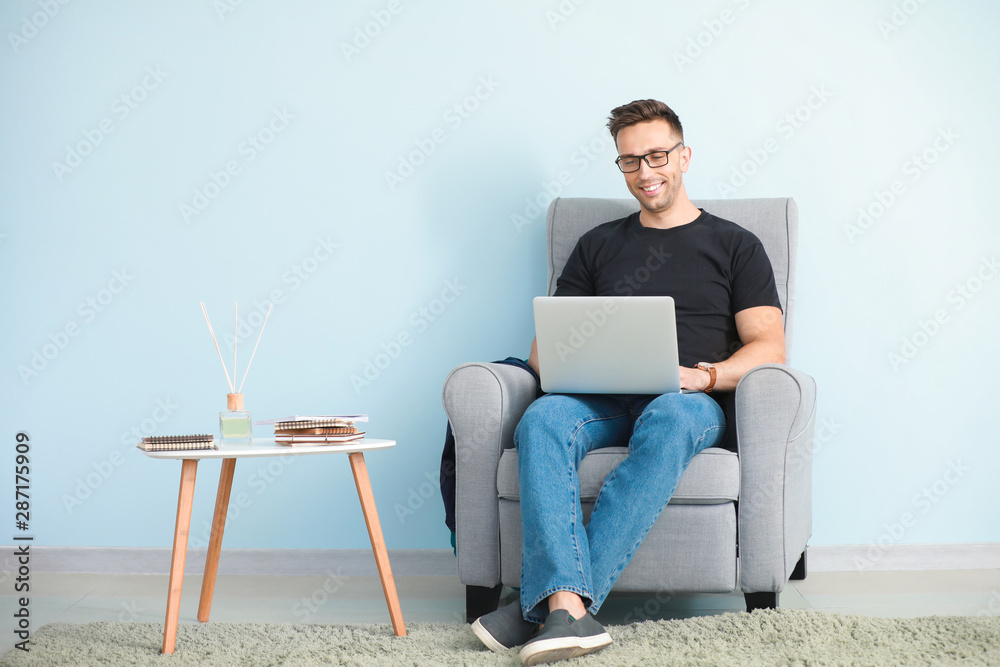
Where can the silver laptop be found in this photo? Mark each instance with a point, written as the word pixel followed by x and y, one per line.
pixel 607 345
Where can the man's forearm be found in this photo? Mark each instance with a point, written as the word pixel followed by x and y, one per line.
pixel 533 356
pixel 731 371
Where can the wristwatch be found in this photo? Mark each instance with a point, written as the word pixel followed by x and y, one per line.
pixel 705 366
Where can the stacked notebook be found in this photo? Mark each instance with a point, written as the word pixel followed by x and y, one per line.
pixel 324 430
pixel 171 443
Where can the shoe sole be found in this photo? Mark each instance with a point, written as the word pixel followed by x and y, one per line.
pixel 488 639
pixel 563 648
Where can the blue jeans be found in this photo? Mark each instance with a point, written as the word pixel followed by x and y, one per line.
pixel 559 553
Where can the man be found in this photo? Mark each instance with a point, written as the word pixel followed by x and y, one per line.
pixel 725 297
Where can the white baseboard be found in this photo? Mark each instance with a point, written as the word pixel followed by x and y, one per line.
pixel 872 557
pixel 304 562
pixel 441 562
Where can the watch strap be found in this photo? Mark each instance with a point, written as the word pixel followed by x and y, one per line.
pixel 711 374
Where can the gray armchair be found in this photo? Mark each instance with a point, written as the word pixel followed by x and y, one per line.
pixel 736 517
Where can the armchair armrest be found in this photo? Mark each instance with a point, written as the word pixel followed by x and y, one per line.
pixel 776 413
pixel 483 402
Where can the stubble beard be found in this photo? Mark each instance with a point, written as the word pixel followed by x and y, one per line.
pixel 663 202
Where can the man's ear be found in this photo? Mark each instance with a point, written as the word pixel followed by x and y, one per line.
pixel 685 159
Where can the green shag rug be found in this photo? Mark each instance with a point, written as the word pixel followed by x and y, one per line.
pixel 778 637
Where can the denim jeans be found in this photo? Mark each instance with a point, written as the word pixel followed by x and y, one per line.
pixel 559 553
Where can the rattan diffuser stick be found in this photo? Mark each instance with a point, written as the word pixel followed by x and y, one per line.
pixel 254 348
pixel 232 389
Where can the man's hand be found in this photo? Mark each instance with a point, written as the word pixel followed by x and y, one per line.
pixel 533 357
pixel 694 379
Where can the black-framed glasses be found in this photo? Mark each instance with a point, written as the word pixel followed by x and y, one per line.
pixel 630 163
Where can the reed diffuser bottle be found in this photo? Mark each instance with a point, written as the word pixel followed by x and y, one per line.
pixel 235 426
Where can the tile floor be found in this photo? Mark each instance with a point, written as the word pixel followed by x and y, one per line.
pixel 82 598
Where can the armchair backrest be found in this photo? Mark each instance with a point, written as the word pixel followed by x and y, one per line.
pixel 774 221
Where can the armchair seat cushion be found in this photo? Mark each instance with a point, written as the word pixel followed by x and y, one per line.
pixel 712 478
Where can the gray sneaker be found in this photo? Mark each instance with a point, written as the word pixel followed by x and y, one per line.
pixel 504 628
pixel 561 637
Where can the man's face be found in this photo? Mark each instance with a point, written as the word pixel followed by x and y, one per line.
pixel 655 189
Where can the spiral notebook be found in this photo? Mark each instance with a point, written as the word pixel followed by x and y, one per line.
pixel 171 443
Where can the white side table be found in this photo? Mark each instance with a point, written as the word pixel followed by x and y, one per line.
pixel 262 447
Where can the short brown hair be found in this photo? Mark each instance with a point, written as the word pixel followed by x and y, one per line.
pixel 641 111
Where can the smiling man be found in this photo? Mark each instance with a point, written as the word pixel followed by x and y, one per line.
pixel 725 298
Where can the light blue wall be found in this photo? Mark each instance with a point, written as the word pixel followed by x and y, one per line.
pixel 887 82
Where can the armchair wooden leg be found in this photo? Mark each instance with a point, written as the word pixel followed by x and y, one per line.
pixel 799 573
pixel 481 600
pixel 766 600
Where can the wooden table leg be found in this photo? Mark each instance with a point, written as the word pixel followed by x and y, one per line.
pixel 215 541
pixel 378 542
pixel 185 500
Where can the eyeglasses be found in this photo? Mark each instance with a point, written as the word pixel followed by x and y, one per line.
pixel 630 163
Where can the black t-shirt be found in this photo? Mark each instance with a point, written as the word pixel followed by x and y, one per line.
pixel 712 268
